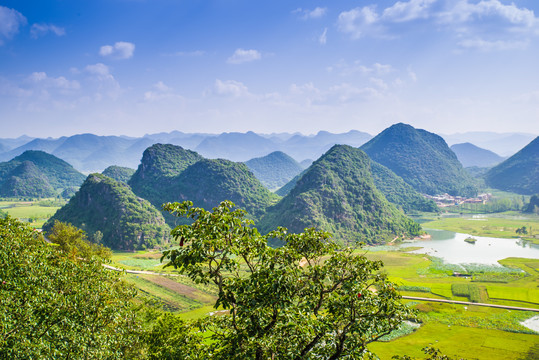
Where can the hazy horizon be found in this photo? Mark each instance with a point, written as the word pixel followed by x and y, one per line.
pixel 135 67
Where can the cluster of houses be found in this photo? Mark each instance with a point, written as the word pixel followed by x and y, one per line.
pixel 449 200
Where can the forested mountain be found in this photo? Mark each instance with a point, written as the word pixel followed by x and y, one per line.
pixel 159 166
pixel 274 170
pixel 337 194
pixel 125 221
pixel 208 182
pixel 471 155
pixel 37 174
pixel 169 173
pixel 422 159
pixel 119 173
pixel 519 173
pixel 398 192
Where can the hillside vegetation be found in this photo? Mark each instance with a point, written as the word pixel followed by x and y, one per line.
pixel 125 221
pixel 274 170
pixel 169 173
pixel 119 173
pixel 37 174
pixel 337 194
pixel 398 192
pixel 519 173
pixel 422 159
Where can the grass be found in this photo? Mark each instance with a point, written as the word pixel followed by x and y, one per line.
pixel 458 341
pixel 37 212
pixel 496 226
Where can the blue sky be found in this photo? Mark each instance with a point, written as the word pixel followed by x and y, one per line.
pixel 130 67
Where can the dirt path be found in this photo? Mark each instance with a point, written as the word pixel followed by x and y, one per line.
pixel 471 303
pixel 137 271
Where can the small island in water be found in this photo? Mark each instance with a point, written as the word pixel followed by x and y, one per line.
pixel 470 240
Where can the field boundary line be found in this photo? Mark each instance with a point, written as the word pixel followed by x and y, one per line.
pixel 470 303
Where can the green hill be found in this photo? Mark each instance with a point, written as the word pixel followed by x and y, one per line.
pixel 422 159
pixel 160 164
pixel 208 182
pixel 119 173
pixel 126 221
pixel 37 174
pixel 519 173
pixel 169 173
pixel 337 194
pixel 398 192
pixel 274 170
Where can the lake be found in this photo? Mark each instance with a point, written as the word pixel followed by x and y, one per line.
pixel 452 248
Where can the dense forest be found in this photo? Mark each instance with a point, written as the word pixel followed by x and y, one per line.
pixel 108 207
pixel 337 194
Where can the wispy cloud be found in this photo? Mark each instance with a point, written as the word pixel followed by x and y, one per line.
pixel 486 25
pixel 306 14
pixel 323 38
pixel 242 56
pixel 10 21
pixel 107 82
pixel 358 22
pixel 161 92
pixel 59 82
pixel 230 88
pixel 38 30
pixel 120 50
pixel 407 11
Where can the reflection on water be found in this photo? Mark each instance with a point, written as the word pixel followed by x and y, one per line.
pixel 452 248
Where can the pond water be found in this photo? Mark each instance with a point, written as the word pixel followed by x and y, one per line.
pixel 532 323
pixel 452 248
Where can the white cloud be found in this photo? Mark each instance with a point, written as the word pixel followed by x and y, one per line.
pixel 498 45
pixel 230 88
pixel 120 50
pixel 306 14
pixel 38 30
pixel 324 37
pixel 407 11
pixel 99 69
pixel 463 11
pixel 241 56
pixel 10 21
pixel 356 67
pixel 358 21
pixel 346 92
pixel 59 82
pixel 486 25
pixel 107 82
pixel 161 92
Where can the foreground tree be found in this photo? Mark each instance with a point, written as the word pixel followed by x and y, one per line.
pixel 55 305
pixel 308 299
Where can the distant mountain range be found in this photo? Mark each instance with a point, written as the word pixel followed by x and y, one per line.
pixel 519 173
pixel 471 155
pixel 92 153
pixel 504 144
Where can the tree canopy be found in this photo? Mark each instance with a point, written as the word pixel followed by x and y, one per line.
pixel 308 299
pixel 57 306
